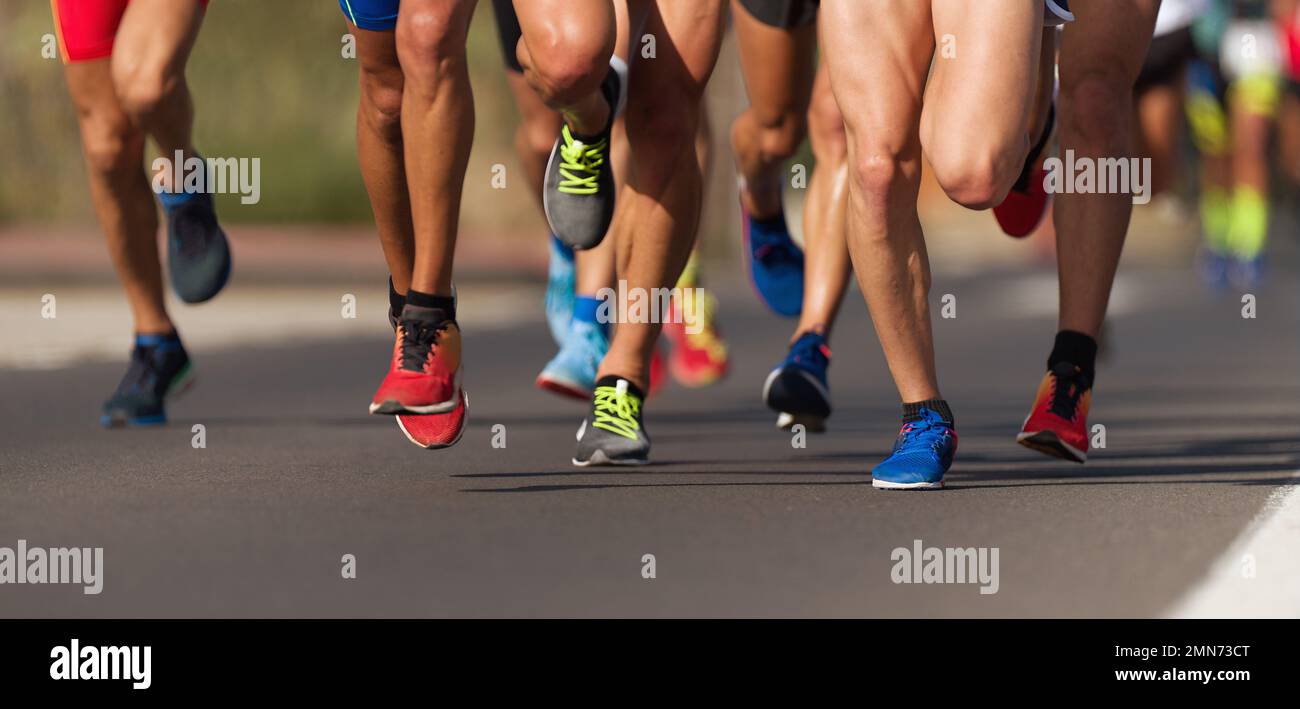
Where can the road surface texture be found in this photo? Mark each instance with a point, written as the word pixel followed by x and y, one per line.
pixel 1201 409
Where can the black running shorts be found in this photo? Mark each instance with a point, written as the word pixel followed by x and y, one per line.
pixel 508 32
pixel 1166 59
pixel 783 14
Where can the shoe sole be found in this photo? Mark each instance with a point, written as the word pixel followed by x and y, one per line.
pixel 812 424
pixel 886 485
pixel 599 458
pixel 1048 443
pixel 786 395
pixel 392 408
pixel 222 282
pixel 439 446
pixel 564 388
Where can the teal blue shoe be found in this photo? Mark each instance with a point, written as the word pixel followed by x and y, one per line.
pixel 560 279
pixel 572 372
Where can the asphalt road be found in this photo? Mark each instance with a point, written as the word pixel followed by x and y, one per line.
pixel 1201 408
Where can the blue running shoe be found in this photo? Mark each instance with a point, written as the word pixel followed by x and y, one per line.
pixel 160 369
pixel 560 281
pixel 922 454
pixel 797 388
pixel 198 254
pixel 1213 267
pixel 775 263
pixel 1246 274
pixel 572 372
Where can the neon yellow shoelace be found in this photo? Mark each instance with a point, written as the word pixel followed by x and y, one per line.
pixel 580 164
pixel 616 411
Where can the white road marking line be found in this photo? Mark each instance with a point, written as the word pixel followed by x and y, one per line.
pixel 1259 575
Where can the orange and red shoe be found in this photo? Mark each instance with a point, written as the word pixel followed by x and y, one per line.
pixel 424 375
pixel 1026 205
pixel 1058 423
pixel 432 431
pixel 698 356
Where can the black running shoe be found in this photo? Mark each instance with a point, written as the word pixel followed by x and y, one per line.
pixel 198 255
pixel 797 388
pixel 613 434
pixel 159 369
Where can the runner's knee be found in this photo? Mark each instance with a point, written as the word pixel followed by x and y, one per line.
pixel 431 46
pixel 977 177
pixel 111 143
pixel 664 127
pixel 141 91
pixel 569 60
pixel 882 176
pixel 1096 110
pixel 381 105
pixel 781 132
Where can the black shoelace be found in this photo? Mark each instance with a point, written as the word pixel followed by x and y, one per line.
pixel 1069 384
pixel 418 339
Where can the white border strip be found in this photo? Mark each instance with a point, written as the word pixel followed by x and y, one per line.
pixel 1259 575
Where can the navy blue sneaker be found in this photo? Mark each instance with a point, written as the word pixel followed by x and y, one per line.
pixel 198 255
pixel 797 388
pixel 775 263
pixel 922 454
pixel 159 369
pixel 560 279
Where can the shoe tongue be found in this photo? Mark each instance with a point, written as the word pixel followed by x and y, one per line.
pixel 811 342
pixel 423 315
pixel 1065 370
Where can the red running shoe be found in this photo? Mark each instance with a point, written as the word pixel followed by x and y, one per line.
pixel 1058 423
pixel 433 431
pixel 424 376
pixel 697 359
pixel 657 374
pixel 1026 205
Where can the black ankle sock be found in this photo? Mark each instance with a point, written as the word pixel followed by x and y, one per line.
pixel 1077 349
pixel 445 303
pixel 395 300
pixel 912 412
pixel 611 380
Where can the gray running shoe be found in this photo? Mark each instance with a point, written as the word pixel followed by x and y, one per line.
pixel 612 434
pixel 579 192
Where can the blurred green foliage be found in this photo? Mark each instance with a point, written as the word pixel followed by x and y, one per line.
pixel 269 81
